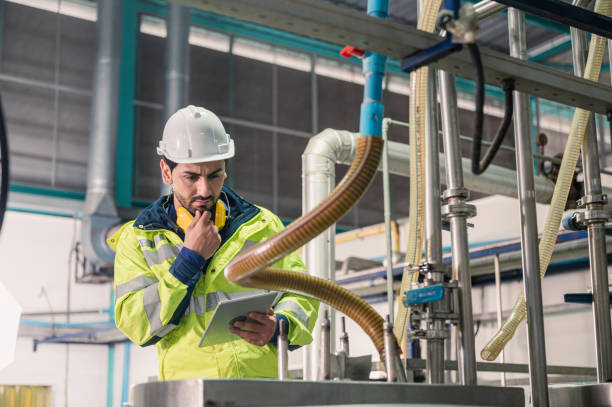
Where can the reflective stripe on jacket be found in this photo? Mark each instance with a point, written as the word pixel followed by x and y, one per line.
pixel 154 307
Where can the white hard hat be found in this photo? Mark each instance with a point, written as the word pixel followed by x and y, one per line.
pixel 195 135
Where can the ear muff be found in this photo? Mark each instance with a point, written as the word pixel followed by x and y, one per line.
pixel 184 218
pixel 220 214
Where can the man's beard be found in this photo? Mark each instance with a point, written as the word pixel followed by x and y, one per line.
pixel 188 203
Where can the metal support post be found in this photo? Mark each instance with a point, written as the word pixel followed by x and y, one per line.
pixel 283 351
pixel 457 210
pixel 387 214
pixel 595 218
pixel 436 329
pixel 529 226
pixel 498 294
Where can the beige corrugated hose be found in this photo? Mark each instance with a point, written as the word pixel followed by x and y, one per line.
pixel 418 88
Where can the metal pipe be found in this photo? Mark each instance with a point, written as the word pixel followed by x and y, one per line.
pixel 100 211
pixel 344 338
pixel 596 227
pixel 433 232
pixel 486 8
pixel 387 215
pixel 319 178
pixel 325 355
pixel 176 59
pixel 498 294
pixel 529 227
pixel 282 346
pixel 456 195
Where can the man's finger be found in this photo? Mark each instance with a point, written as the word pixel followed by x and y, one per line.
pixel 205 217
pixel 261 318
pixel 249 326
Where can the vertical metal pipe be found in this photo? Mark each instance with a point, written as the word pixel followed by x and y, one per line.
pixel 318 174
pixel 456 195
pixel 433 231
pixel 529 227
pixel 282 347
pixel 387 215
pixel 325 355
pixel 498 295
pixel 177 58
pixel 596 228
pixel 275 168
pixel 344 339
pixel 176 63
pixel 103 136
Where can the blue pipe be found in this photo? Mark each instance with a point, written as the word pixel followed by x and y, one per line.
pixel 110 379
pixel 372 110
pixel 125 387
pixel 63 324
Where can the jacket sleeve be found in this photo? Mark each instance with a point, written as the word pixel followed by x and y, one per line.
pixel 153 284
pixel 301 312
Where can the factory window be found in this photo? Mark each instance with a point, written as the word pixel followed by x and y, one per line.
pixel 45 81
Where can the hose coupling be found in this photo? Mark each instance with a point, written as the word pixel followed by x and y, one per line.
pixel 463 29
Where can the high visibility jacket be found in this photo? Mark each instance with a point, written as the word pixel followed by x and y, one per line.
pixel 157 304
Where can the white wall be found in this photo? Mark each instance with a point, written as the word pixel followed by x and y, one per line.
pixel 34 254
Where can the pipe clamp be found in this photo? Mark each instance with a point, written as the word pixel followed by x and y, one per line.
pixel 455 193
pixel 592 199
pixel 458 209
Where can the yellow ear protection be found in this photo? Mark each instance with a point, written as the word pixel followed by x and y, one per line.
pixel 184 218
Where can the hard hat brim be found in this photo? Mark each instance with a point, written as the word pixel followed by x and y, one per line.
pixel 194 160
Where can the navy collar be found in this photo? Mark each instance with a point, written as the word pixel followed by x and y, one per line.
pixel 162 215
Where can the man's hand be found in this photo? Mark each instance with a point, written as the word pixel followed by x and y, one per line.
pixel 259 331
pixel 202 236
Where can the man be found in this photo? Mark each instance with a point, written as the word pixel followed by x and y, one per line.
pixel 169 282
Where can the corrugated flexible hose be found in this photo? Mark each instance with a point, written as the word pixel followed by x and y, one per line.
pixel 418 87
pixel 559 199
pixel 251 268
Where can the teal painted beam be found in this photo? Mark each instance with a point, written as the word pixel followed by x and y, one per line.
pixel 37 212
pixel 36 190
pixel 124 165
pixel 551 52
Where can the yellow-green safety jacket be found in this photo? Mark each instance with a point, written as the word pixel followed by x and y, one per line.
pixel 163 299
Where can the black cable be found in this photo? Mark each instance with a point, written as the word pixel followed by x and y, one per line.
pixel 478 165
pixel 508 87
pixel 4 167
pixel 479 100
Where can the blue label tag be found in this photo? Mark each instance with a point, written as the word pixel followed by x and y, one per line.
pixel 424 294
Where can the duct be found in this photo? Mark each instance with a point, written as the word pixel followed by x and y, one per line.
pixel 100 212
pixel 176 64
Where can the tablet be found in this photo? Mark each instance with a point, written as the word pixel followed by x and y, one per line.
pixel 230 310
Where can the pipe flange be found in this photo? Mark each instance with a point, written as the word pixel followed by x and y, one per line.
pixel 592 199
pixel 455 193
pixel 590 216
pixel 458 209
